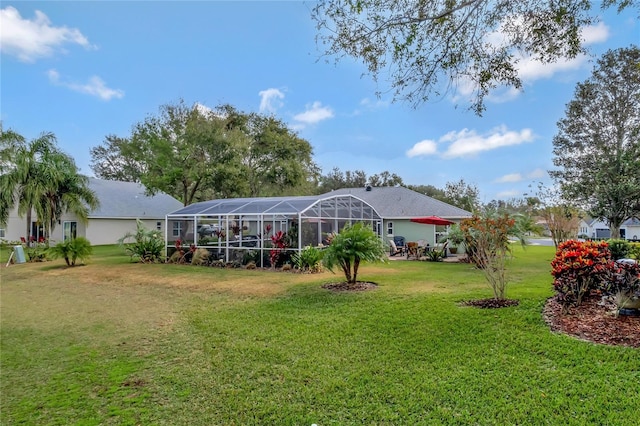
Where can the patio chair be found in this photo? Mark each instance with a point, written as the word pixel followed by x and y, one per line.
pixel 412 250
pixel 394 249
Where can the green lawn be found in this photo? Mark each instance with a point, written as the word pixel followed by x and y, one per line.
pixel 120 343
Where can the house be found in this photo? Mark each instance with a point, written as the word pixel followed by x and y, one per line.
pixel 599 229
pixel 398 205
pixel 121 203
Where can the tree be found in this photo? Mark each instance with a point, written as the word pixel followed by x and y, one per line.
pixel 429 190
pixel 187 152
pixel 194 153
pixel 39 177
pixel 337 179
pixel 429 48
pixel 487 244
pixel 597 148
pixel 276 160
pixel 385 179
pixel 112 160
pixel 462 195
pixel 351 246
pixel 560 216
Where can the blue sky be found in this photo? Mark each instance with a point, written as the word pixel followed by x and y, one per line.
pixel 83 70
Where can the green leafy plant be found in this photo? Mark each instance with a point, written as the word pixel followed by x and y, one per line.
pixel 455 236
pixel 77 249
pixel 351 246
pixel 144 244
pixel 435 255
pixel 619 248
pixel 634 250
pixel 309 259
pixel 37 250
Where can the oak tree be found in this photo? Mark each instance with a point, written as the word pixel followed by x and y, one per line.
pixel 430 47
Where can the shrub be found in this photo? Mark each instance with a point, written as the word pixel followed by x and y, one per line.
pixel 487 246
pixel 279 241
pixel 623 282
pixel 146 245
pixel 579 267
pixel 37 250
pixel 73 250
pixel 351 246
pixel 634 250
pixel 200 256
pixel 309 259
pixel 435 255
pixel 619 248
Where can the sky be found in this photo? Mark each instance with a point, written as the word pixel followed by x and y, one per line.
pixel 85 70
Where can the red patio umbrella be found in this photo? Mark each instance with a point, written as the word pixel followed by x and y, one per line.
pixel 432 220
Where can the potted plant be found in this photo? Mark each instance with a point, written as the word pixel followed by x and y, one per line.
pixel 455 236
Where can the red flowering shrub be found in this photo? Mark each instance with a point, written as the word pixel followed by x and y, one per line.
pixel 578 268
pixel 279 241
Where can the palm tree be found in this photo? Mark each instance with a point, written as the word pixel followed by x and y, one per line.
pixel 71 192
pixel 38 177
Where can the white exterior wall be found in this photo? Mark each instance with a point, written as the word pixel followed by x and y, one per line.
pixel 109 231
pixel 99 231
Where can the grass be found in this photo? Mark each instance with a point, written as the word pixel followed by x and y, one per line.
pixel 120 343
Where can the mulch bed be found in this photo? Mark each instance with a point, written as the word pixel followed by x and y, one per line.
pixel 594 321
pixel 491 303
pixel 344 286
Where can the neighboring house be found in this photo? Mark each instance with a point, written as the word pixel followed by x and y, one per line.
pixel 398 205
pixel 121 203
pixel 598 229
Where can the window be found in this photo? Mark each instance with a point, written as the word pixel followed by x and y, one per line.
pixel 69 230
pixel 2 235
pixel 159 226
pixel 389 228
pixel 177 228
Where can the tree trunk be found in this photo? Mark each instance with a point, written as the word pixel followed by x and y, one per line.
pixel 28 234
pixel 356 264
pixel 614 228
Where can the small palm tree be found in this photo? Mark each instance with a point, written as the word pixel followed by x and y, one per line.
pixel 76 249
pixel 353 245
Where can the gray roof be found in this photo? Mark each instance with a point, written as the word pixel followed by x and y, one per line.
pixel 396 202
pixel 128 200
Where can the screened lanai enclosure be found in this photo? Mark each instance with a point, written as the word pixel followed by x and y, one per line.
pixel 254 229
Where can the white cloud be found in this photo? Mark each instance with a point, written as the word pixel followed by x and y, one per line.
pixel 513 177
pixel 598 33
pixel 313 114
pixel 375 104
pixel 529 69
pixel 518 177
pixel 37 38
pixel 423 148
pixel 507 194
pixel 270 100
pixel 95 86
pixel 537 174
pixel 468 142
